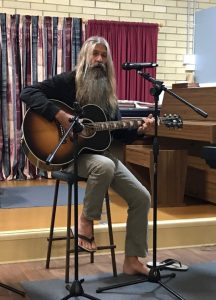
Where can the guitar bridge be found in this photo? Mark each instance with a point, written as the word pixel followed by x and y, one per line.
pixel 61 131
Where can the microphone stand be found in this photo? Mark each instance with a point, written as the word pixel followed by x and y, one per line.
pixel 75 289
pixel 154 273
pixel 12 289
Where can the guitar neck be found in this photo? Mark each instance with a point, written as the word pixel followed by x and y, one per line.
pixel 122 124
pixel 114 125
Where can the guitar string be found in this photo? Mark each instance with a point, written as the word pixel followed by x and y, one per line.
pixel 170 121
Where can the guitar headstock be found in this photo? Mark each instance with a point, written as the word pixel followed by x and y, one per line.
pixel 172 121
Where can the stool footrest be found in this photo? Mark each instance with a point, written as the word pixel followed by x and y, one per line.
pixel 98 248
pixel 106 247
pixel 59 238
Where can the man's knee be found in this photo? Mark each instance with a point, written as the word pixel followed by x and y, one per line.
pixel 105 168
pixel 144 200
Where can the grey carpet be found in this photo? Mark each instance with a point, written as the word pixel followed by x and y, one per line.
pixel 19 197
pixel 198 283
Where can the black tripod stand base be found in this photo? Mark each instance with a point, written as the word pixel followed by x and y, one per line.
pixel 122 284
pixel 170 290
pixel 76 290
pixel 154 276
pixel 10 288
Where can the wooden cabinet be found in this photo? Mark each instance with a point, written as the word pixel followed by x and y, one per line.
pixel 171 172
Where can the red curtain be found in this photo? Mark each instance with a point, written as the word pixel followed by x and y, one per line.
pixel 129 42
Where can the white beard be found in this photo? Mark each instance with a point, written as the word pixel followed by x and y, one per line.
pixel 95 88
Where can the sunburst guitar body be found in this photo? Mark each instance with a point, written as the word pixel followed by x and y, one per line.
pixel 41 137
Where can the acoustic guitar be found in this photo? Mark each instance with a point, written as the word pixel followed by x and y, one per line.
pixel 40 136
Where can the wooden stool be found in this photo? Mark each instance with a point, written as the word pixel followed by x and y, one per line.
pixel 69 178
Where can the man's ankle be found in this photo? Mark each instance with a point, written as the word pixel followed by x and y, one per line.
pixel 133 266
pixel 131 259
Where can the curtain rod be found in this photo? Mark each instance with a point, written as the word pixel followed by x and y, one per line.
pixel 85 21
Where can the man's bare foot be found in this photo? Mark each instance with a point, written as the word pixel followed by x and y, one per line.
pixel 132 266
pixel 85 234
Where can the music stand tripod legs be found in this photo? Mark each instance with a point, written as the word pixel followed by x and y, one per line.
pixel 75 289
pixel 12 289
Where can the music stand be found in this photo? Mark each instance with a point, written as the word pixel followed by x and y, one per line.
pixel 154 274
pixel 75 289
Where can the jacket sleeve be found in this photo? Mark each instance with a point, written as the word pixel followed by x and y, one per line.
pixel 38 96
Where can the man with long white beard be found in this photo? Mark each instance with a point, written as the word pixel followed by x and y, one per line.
pixel 93 82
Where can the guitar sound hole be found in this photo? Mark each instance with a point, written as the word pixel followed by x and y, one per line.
pixel 89 129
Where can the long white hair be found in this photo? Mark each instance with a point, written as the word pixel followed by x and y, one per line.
pixel 84 63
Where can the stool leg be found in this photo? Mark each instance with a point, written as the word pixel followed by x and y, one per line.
pixel 67 266
pixel 50 239
pixel 109 222
pixel 92 253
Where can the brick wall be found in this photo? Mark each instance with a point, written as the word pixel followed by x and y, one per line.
pixel 174 16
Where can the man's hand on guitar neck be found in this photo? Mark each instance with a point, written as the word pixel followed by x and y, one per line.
pixel 148 122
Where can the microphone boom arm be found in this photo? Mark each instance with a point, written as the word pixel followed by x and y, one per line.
pixel 159 87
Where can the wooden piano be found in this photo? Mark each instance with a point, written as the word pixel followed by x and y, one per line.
pixel 198 179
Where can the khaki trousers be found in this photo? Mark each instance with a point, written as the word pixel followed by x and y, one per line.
pixel 104 171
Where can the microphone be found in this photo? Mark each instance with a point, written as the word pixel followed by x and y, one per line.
pixel 138 66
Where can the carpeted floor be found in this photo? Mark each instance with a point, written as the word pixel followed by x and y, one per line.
pixel 198 283
pixel 18 197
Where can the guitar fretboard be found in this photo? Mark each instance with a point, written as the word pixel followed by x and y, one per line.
pixel 170 121
pixel 113 125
